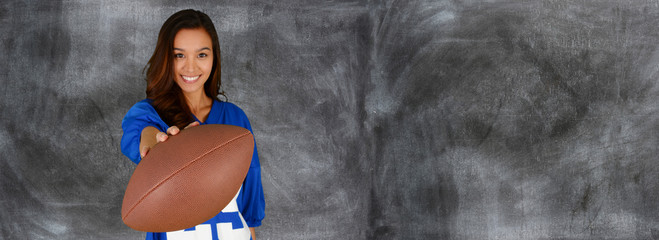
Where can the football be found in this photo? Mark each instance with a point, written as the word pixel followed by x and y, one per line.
pixel 187 179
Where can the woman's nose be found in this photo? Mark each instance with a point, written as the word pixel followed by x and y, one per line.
pixel 190 65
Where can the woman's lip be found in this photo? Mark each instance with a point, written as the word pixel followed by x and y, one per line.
pixel 189 79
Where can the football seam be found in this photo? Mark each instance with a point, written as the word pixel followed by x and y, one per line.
pixel 177 171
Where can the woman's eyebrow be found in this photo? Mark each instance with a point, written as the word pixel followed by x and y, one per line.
pixel 201 49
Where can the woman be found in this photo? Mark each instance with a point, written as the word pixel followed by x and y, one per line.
pixel 183 82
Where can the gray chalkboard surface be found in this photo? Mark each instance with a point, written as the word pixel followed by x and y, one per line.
pixel 374 119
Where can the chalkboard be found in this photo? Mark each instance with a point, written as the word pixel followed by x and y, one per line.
pixel 373 119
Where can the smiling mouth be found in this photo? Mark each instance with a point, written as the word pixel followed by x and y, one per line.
pixel 188 79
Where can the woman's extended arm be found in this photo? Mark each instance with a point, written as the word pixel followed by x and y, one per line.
pixel 152 136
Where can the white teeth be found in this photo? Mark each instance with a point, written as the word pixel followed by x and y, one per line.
pixel 190 78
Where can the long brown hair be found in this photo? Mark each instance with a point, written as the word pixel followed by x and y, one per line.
pixel 168 99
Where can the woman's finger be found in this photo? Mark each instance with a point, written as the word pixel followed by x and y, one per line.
pixel 161 137
pixel 173 130
pixel 144 151
pixel 195 123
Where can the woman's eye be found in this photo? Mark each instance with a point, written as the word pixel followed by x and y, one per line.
pixel 203 55
pixel 178 55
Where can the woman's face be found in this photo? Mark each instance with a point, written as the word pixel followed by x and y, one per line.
pixel 193 59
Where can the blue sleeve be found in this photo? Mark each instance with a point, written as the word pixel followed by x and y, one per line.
pixel 141 115
pixel 251 202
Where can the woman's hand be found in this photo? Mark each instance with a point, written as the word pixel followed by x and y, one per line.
pixel 152 136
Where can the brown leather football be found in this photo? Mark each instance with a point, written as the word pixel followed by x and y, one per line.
pixel 187 179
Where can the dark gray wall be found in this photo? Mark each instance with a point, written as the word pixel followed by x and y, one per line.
pixel 374 119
